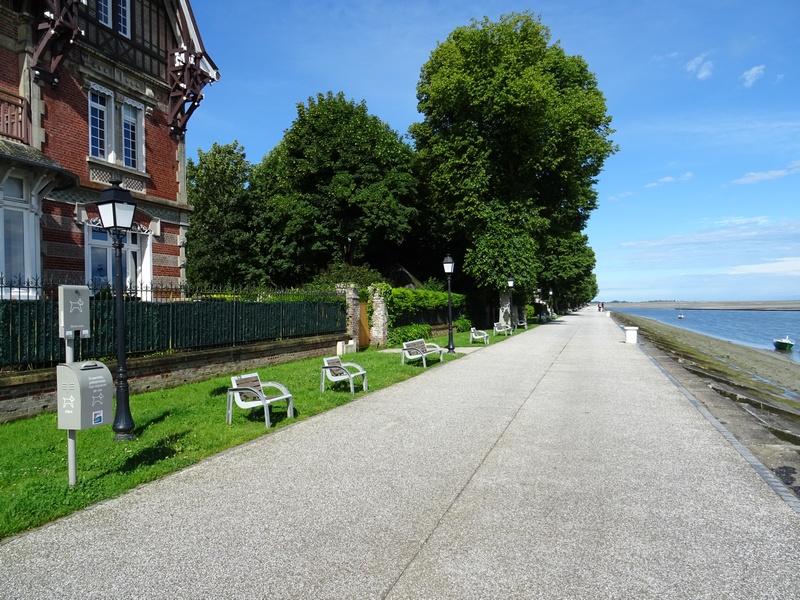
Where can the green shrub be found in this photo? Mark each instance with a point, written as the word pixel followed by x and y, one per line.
pixel 403 302
pixel 462 324
pixel 398 335
pixel 362 275
pixel 434 285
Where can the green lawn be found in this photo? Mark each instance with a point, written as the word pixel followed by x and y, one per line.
pixel 175 428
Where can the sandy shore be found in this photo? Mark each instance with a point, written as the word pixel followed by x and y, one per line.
pixel 753 367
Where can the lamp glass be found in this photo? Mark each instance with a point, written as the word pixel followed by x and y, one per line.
pixel 449 264
pixel 116 207
pixel 107 215
pixel 511 282
pixel 125 212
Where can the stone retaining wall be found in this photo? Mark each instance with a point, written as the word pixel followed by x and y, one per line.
pixel 28 393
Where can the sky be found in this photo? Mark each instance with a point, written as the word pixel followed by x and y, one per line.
pixel 700 202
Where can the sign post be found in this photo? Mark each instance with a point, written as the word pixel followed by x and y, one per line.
pixel 83 390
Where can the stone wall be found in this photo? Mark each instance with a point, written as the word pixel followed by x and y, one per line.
pixel 30 393
pixel 379 328
pixel 350 292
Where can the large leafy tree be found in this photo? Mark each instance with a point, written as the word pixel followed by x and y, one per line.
pixel 220 236
pixel 338 188
pixel 514 135
pixel 568 269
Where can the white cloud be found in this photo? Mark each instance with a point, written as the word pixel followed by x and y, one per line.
pixel 730 241
pixel 752 75
pixel 700 67
pixel 780 266
pixel 669 179
pixel 620 196
pixel 755 177
pixel 741 221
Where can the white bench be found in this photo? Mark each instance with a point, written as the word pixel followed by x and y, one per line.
pixel 522 323
pixel 333 369
pixel 248 392
pixel 501 327
pixel 478 335
pixel 420 349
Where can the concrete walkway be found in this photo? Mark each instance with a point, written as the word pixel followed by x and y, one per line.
pixel 560 463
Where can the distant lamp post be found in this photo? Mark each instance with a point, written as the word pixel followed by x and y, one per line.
pixel 511 301
pixel 117 206
pixel 550 306
pixel 449 266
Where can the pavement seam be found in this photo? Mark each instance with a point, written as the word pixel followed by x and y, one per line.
pixel 469 480
pixel 768 476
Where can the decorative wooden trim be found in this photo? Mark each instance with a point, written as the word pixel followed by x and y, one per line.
pixel 59 25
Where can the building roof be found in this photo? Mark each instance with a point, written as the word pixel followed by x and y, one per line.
pixel 20 154
pixel 206 64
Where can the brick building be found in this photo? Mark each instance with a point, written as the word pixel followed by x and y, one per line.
pixel 91 92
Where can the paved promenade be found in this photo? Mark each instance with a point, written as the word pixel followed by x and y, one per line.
pixel 560 463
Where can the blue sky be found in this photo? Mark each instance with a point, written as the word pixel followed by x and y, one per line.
pixel 701 201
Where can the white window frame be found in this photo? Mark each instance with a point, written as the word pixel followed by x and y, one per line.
pixel 103 12
pixel 133 118
pixel 137 253
pixel 30 238
pixel 124 18
pixel 107 126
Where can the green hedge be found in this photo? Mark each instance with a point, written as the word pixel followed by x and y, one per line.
pixel 403 302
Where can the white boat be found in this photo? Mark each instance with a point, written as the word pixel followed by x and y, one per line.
pixel 785 343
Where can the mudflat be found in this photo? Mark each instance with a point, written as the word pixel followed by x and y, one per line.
pixel 748 366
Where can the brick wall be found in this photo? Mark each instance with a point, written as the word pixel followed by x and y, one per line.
pixel 66 123
pixel 62 240
pixel 34 392
pixel 9 61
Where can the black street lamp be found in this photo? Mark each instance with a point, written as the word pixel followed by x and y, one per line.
pixel 117 206
pixel 449 265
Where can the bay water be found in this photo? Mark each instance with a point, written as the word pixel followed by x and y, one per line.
pixel 753 328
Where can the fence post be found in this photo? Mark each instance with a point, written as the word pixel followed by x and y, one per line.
pixel 350 293
pixel 379 330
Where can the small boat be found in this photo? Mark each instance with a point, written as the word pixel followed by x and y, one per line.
pixel 680 315
pixel 783 343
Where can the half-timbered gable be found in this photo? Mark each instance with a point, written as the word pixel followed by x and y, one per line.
pixel 95 91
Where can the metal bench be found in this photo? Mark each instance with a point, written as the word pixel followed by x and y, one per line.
pixel 478 335
pixel 248 392
pixel 416 349
pixel 333 369
pixel 501 327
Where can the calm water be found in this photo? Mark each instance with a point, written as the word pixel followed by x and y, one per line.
pixel 754 328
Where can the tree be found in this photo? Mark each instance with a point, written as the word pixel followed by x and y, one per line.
pixel 220 235
pixel 568 269
pixel 338 188
pixel 514 135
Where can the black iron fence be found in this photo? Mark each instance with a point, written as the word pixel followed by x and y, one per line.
pixel 159 319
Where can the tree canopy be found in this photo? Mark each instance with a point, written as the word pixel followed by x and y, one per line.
pixel 501 175
pixel 514 135
pixel 338 188
pixel 220 231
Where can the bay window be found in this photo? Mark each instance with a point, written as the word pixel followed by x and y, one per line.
pixel 19 238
